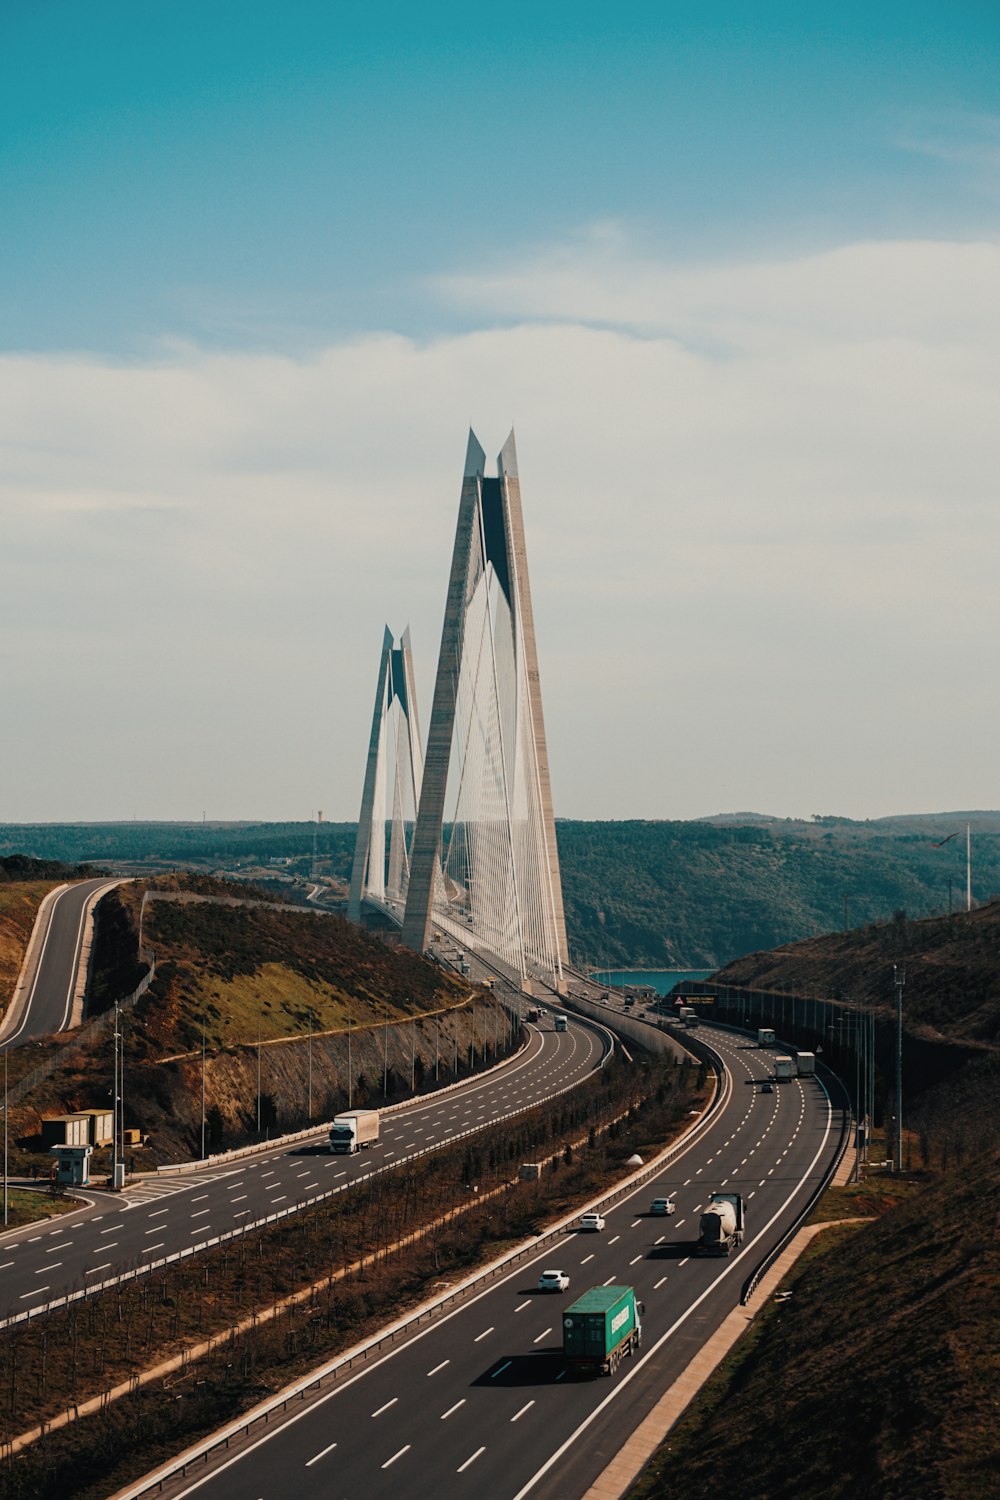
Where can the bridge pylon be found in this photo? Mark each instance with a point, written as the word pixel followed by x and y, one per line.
pixel 484 861
pixel 393 775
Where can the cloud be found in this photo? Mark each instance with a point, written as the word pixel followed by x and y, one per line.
pixel 761 513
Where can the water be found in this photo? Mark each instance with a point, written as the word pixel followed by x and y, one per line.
pixel 662 980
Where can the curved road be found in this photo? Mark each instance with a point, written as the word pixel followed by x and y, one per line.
pixel 153 1219
pixel 480 1403
pixel 47 1005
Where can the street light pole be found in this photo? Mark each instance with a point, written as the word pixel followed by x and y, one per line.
pixel 899 979
pixel 203 1087
pixel 258 1072
pixel 5 1137
pixel 350 1066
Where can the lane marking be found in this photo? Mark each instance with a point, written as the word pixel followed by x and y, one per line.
pixel 385 1407
pixel 659 1283
pixel 448 1413
pixel 504 1367
pixel 320 1455
pixel 392 1460
pixel 539 1339
pixel 517 1415
pixel 462 1467
pixel 439 1367
pixel 482 1335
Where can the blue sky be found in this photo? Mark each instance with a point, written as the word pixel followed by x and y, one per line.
pixel 271 175
pixel 731 272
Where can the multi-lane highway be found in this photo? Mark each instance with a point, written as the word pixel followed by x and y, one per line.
pixel 46 1004
pixel 480 1401
pixel 154 1219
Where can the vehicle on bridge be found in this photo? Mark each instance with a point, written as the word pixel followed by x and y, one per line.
pixel 561 1023
pixel 354 1130
pixel 722 1224
pixel 765 1036
pixel 602 1328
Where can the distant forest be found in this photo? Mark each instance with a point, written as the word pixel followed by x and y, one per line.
pixel 637 894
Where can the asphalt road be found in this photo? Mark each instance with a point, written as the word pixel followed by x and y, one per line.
pixel 156 1218
pixel 49 1003
pixel 480 1401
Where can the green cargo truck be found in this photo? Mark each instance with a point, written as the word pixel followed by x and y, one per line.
pixel 601 1328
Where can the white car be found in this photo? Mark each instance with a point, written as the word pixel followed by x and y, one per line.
pixel 553 1281
pixel 591 1221
pixel 660 1206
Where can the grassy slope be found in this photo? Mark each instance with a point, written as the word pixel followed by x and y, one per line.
pixel 878 1378
pixel 19 903
pixel 952 969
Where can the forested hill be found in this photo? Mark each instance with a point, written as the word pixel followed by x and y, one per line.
pixel 694 895
pixel 638 894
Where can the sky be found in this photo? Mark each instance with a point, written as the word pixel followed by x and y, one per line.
pixel 733 275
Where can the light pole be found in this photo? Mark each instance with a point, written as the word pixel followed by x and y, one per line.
pixel 899 979
pixel 5 1137
pixel 385 1053
pixel 258 1072
pixel 203 1086
pixel 309 1114
pixel 350 1066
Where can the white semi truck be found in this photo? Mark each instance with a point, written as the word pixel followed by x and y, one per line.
pixel 807 1064
pixel 722 1224
pixel 765 1036
pixel 784 1070
pixel 354 1130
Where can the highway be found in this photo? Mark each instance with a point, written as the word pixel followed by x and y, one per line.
pixel 47 1005
pixel 153 1219
pixel 480 1402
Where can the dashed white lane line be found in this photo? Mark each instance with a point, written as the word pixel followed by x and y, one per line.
pixel 542 1336
pixel 462 1467
pixel 392 1460
pixel 439 1367
pixel 381 1409
pixel 518 1414
pixel 451 1409
pixel 322 1454
pixel 636 1261
pixel 522 1305
pixel 684 1261
pixel 480 1336
pixel 658 1284
pixel 95 1269
pixel 585 1259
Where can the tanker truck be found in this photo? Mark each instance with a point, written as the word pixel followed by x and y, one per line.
pixel 721 1224
pixel 354 1130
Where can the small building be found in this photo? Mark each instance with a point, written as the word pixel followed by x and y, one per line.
pixel 530 1171
pixel 66 1130
pixel 72 1164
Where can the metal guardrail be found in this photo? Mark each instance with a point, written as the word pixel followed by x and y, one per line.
pixel 343 1364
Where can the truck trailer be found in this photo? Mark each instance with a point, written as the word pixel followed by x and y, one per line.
pixel 722 1224
pixel 765 1036
pixel 602 1328
pixel 354 1130
pixel 784 1070
pixel 807 1064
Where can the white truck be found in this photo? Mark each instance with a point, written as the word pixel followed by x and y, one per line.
pixel 807 1064
pixel 765 1036
pixel 722 1224
pixel 784 1070
pixel 354 1130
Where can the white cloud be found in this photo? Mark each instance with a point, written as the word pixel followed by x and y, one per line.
pixel 762 523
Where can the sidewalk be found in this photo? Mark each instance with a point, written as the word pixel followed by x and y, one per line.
pixel 623 1470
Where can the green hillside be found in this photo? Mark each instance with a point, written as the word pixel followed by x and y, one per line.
pixel 638 894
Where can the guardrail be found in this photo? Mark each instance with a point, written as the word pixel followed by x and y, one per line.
pixel 201 1453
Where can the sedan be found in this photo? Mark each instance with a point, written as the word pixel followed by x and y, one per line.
pixel 553 1281
pixel 661 1206
pixel 591 1221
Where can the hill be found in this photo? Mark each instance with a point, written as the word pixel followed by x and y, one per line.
pixel 638 894
pixel 877 1377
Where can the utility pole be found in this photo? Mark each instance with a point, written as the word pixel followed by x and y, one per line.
pixel 5 1137
pixel 350 1066
pixel 203 1085
pixel 968 866
pixel 385 1053
pixel 258 1072
pixel 899 979
pixel 114 1108
pixel 310 1090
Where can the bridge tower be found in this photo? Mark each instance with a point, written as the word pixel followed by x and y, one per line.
pixel 484 863
pixel 392 783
